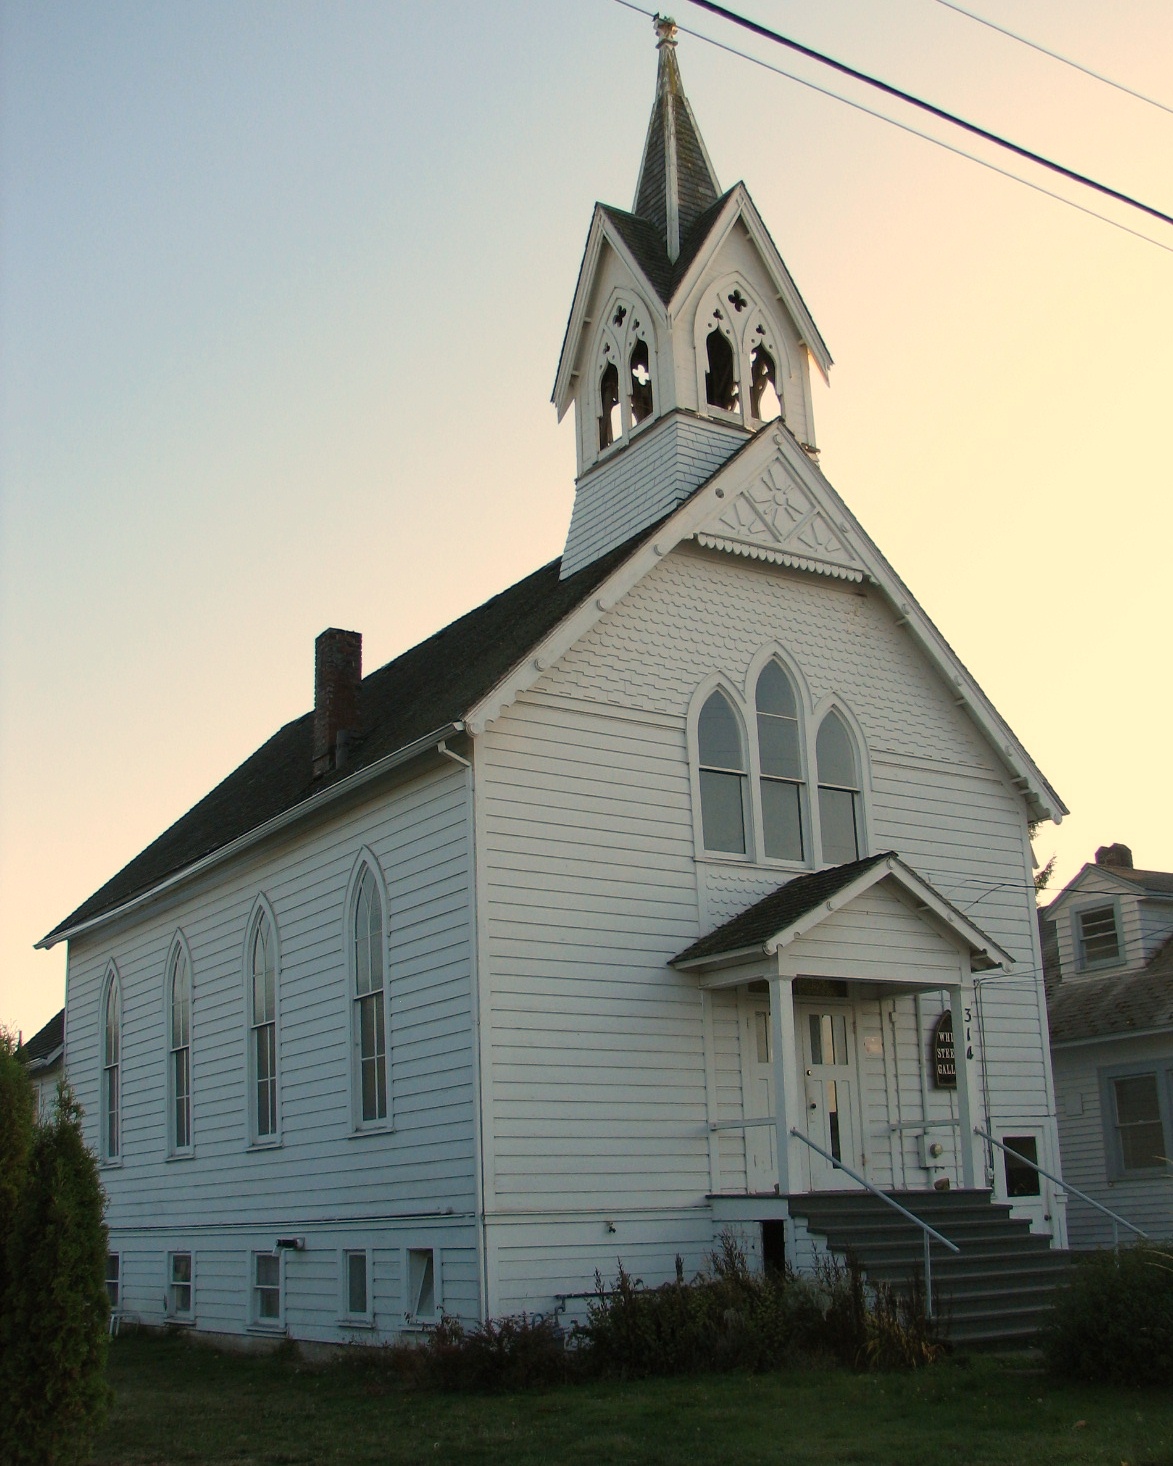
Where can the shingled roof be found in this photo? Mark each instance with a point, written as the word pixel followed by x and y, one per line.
pixel 44 1048
pixel 646 243
pixel 425 690
pixel 1113 1006
pixel 754 926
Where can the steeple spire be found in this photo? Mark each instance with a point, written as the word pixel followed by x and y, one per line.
pixel 676 180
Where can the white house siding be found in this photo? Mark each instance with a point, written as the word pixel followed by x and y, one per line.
pixel 593 1045
pixel 336 1189
pixel 1146 1201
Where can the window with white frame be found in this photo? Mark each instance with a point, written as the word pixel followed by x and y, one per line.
pixel 423 1293
pixel 780 759
pixel 262 1001
pixel 1098 936
pixel 1138 1117
pixel 180 1286
pixel 111 1069
pixel 724 776
pixel 179 1057
pixel 267 1294
pixel 370 1020
pixel 356 1285
pixel 840 813
pixel 113 1279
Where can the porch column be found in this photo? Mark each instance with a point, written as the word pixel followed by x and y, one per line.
pixel 966 1098
pixel 787 1110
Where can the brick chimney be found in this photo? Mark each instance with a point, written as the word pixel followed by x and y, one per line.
pixel 1114 855
pixel 337 676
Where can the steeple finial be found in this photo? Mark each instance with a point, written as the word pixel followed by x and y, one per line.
pixel 676 180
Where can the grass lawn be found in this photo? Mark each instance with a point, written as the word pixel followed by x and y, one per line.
pixel 175 1401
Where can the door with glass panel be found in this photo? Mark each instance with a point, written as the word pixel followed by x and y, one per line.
pixel 761 1147
pixel 826 1033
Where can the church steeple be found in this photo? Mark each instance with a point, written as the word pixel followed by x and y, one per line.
pixel 676 179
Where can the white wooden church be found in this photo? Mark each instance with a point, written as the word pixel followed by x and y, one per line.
pixel 623 910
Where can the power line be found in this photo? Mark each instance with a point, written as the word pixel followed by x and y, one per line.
pixel 904 127
pixel 1055 55
pixel 951 117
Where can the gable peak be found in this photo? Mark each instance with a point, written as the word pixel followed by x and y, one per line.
pixel 676 179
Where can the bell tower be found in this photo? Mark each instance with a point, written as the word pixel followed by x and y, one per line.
pixel 686 336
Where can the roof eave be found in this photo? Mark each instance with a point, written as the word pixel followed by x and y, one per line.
pixel 303 810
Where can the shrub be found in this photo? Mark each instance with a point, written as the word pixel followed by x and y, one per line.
pixel 516 1353
pixel 18 1108
pixel 52 1376
pixel 1114 1322
pixel 731 1318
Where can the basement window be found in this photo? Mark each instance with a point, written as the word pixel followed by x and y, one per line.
pixel 179 1286
pixel 113 1279
pixel 422 1291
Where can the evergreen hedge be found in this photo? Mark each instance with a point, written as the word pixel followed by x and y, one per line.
pixel 54 1309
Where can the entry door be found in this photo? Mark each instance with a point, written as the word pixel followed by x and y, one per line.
pixel 831 1090
pixel 761 1154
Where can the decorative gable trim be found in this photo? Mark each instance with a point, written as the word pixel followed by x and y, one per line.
pixel 739 205
pixel 696 516
pixel 777 519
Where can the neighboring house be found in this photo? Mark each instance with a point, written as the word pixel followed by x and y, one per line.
pixel 44 1058
pixel 1109 965
pixel 509 959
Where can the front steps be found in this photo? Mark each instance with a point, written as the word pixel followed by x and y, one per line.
pixel 998 1291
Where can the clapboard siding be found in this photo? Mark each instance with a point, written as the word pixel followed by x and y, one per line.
pixel 1146 1201
pixel 418 831
pixel 595 1045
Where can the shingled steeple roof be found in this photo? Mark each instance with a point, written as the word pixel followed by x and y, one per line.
pixel 677 183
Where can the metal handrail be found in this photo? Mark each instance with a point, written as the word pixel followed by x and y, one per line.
pixel 929 1233
pixel 1117 1220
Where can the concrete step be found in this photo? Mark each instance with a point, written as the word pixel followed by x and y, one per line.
pixel 997 1291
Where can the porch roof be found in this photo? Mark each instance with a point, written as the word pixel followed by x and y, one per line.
pixel 774 921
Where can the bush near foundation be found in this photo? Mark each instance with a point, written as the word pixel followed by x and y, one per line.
pixel 1114 1322
pixel 54 1310
pixel 726 1318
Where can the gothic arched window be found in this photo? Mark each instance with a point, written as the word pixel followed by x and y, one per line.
pixel 721 388
pixel 780 756
pixel 179 1057
pixel 610 420
pixel 370 1022
pixel 111 1070
pixel 641 382
pixel 262 1001
pixel 723 776
pixel 764 401
pixel 840 814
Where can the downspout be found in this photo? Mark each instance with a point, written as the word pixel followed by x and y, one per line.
pixel 474 1000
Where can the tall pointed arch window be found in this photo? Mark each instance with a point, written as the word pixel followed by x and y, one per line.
pixel 764 401
pixel 262 1001
pixel 370 1024
pixel 840 813
pixel 640 368
pixel 721 388
pixel 723 776
pixel 111 1070
pixel 781 764
pixel 610 418
pixel 179 1057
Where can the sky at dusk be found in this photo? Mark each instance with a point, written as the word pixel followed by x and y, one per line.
pixel 282 288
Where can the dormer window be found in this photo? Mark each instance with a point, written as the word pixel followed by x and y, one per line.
pixel 610 424
pixel 641 383
pixel 764 402
pixel 721 389
pixel 1098 936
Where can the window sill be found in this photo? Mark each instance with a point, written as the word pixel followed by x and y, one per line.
pixel 367 1324
pixel 364 1132
pixel 268 1144
pixel 268 1330
pixel 187 1322
pixel 181 1155
pixel 764 862
pixel 110 1163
